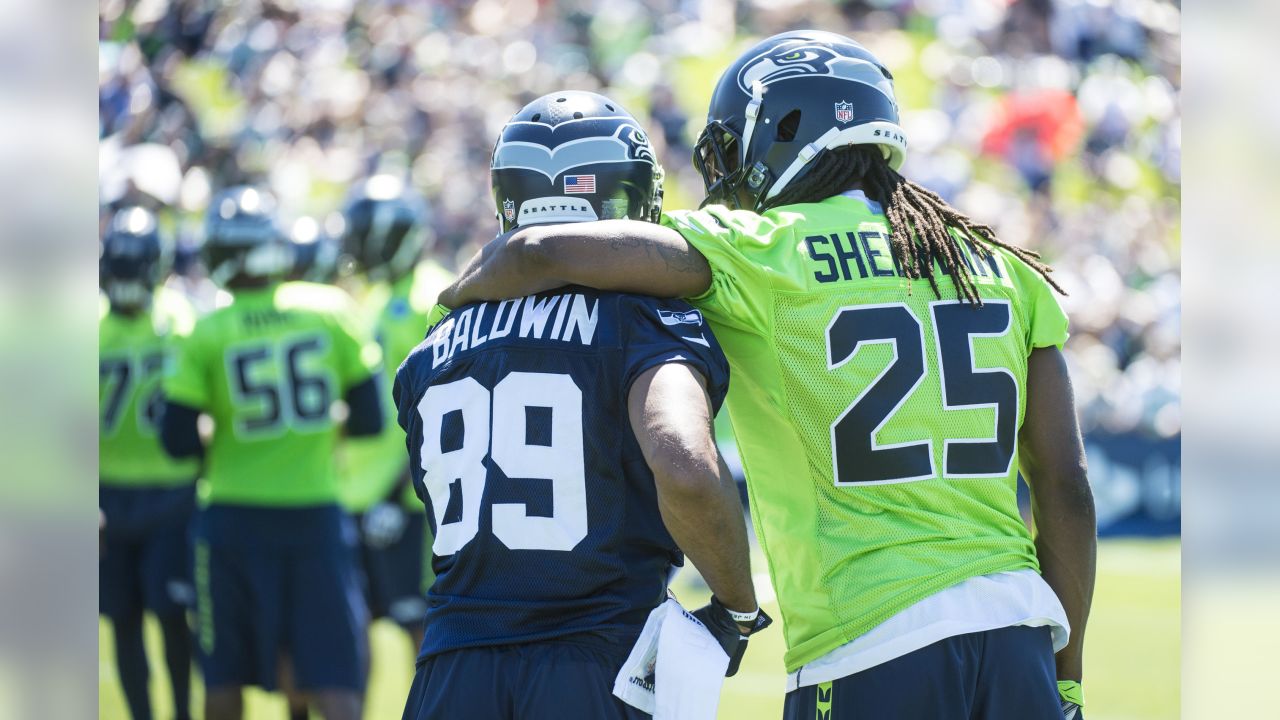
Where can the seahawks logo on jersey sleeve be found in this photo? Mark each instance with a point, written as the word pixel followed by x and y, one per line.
pixel 689 317
pixel 803 59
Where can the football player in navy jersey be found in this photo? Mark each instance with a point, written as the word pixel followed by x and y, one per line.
pixel 562 444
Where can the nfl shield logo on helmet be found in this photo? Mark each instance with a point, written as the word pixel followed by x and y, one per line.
pixel 509 210
pixel 844 112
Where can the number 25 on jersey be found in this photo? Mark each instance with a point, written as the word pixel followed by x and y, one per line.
pixel 856 455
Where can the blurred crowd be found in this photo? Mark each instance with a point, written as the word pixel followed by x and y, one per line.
pixel 1056 121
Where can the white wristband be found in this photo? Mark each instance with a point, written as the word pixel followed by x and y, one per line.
pixel 744 618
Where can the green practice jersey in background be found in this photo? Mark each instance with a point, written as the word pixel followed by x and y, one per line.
pixel 371 467
pixel 132 353
pixel 877 424
pixel 267 368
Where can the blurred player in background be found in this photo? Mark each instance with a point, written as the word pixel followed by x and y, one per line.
pixel 315 252
pixel 277 587
pixel 563 445
pixel 315 260
pixel 146 497
pixel 895 365
pixel 384 234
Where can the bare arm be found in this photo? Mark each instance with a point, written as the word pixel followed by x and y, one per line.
pixel 1053 462
pixel 671 418
pixel 620 255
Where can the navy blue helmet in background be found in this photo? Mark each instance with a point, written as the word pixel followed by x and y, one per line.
pixel 243 240
pixel 384 228
pixel 131 262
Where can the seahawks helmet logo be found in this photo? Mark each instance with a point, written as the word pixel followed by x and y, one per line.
pixel 555 150
pixel 799 59
pixel 638 147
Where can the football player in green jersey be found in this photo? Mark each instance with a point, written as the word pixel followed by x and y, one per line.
pixel 896 366
pixel 277 587
pixel 384 233
pixel 146 497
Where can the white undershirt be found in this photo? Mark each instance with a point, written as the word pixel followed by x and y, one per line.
pixel 986 602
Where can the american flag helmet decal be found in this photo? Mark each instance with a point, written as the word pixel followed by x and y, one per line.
pixel 579 184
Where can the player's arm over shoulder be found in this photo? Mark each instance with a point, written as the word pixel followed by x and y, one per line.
pixel 619 255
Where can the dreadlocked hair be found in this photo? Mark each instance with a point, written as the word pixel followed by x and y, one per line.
pixel 920 222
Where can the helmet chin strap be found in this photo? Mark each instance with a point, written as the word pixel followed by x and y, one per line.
pixel 752 112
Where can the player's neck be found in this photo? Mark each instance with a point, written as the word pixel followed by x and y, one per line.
pixel 129 312
pixel 251 284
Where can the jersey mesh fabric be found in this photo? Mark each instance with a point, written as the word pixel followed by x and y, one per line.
pixel 601 585
pixel 371 467
pixel 267 368
pixel 132 352
pixel 846 556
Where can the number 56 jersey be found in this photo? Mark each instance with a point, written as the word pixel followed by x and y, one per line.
pixel 268 368
pixel 544 514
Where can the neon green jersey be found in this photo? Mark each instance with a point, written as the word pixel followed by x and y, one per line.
pixel 371 467
pixel 877 424
pixel 132 352
pixel 267 368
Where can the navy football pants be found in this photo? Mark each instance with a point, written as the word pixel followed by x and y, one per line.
pixel 1005 674
pixel 534 681
pixel 279 580
pixel 146 558
pixel 393 576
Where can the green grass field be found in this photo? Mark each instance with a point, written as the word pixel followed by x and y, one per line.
pixel 1132 657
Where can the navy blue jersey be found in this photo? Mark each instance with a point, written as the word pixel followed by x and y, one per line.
pixel 544 513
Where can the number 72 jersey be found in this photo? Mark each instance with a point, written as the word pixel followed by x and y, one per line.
pixel 544 513
pixel 877 423
pixel 132 353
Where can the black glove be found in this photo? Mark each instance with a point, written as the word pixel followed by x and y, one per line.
pixel 726 631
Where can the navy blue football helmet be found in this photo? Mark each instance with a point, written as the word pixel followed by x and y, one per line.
pixel 243 240
pixel 315 252
pixel 384 228
pixel 571 156
pixel 131 263
pixel 784 103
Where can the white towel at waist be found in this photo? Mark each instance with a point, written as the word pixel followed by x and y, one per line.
pixel 676 668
